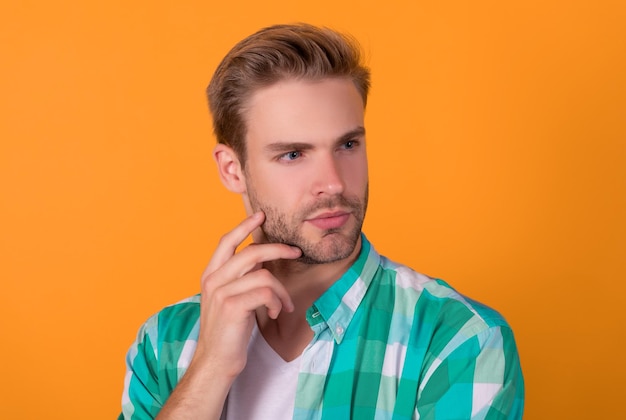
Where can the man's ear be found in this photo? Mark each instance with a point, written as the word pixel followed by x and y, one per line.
pixel 229 168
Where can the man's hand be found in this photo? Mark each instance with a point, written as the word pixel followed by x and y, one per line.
pixel 234 285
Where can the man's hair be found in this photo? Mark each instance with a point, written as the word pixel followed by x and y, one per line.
pixel 299 51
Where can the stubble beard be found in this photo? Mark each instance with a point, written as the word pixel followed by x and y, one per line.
pixel 334 245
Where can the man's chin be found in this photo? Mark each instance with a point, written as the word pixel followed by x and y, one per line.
pixel 331 248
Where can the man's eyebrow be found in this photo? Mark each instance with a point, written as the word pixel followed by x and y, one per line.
pixel 287 146
pixel 351 135
pixel 278 147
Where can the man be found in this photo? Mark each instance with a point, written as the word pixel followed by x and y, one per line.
pixel 310 321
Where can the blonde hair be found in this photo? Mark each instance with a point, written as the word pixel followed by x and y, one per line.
pixel 299 51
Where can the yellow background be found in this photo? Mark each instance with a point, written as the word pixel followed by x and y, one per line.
pixel 497 144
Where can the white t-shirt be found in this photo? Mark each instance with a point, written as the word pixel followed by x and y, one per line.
pixel 266 389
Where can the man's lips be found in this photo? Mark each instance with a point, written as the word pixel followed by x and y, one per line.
pixel 329 220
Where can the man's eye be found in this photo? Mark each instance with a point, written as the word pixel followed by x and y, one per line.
pixel 351 144
pixel 293 155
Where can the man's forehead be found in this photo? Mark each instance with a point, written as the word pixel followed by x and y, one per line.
pixel 301 88
pixel 299 110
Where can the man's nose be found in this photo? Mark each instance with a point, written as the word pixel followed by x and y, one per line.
pixel 328 177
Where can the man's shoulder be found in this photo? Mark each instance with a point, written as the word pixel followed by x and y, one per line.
pixel 173 322
pixel 188 306
pixel 433 299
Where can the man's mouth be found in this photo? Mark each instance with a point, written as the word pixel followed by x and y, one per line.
pixel 329 220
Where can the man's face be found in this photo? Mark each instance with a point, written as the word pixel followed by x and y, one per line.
pixel 306 166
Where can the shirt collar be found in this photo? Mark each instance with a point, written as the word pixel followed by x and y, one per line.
pixel 336 307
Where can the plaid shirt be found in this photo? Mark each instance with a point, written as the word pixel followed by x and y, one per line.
pixel 389 343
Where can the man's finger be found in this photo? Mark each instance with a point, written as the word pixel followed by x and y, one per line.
pixel 254 254
pixel 230 241
pixel 264 283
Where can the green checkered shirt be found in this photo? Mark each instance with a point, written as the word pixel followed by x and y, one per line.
pixel 388 343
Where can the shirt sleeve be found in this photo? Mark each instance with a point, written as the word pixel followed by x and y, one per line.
pixel 478 378
pixel 141 399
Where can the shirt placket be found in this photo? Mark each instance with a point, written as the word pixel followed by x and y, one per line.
pixel 314 367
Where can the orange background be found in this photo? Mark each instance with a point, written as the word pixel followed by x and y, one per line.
pixel 497 144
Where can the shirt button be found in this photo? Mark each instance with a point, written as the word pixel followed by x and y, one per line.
pixel 339 329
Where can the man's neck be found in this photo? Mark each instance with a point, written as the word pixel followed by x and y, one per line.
pixel 305 283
